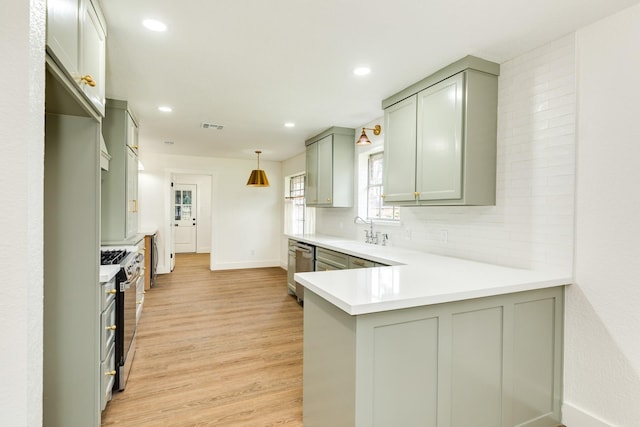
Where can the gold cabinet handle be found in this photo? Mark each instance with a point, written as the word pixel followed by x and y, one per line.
pixel 110 373
pixel 88 80
pixel 111 328
pixel 111 291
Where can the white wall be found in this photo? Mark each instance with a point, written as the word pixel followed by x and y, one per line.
pixel 22 26
pixel 602 350
pixel 246 221
pixel 531 225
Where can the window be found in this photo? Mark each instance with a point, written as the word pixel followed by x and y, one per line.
pixel 296 195
pixel 298 218
pixel 375 208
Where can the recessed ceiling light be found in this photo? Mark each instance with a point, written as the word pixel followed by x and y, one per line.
pixel 154 25
pixel 165 108
pixel 289 125
pixel 362 71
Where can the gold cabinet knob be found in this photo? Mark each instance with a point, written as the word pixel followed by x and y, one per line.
pixel 138 302
pixel 328 199
pixel 111 328
pixel 111 291
pixel 110 373
pixel 135 147
pixel 382 196
pixel 88 80
pixel 416 194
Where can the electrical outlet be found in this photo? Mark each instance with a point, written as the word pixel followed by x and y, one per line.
pixel 252 252
pixel 444 237
pixel 407 233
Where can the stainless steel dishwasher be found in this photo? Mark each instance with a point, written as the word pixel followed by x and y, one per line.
pixel 302 256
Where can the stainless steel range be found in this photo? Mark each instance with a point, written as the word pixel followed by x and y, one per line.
pixel 127 280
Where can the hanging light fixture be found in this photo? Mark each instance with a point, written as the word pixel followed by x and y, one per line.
pixel 258 178
pixel 364 140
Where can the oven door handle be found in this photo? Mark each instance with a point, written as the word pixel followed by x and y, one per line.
pixel 303 249
pixel 127 284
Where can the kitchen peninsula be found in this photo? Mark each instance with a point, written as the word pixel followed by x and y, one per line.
pixel 430 340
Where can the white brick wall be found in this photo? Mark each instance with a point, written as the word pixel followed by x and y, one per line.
pixel 531 225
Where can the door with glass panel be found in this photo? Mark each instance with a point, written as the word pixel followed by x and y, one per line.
pixel 184 206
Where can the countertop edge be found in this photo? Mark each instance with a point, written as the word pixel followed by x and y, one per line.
pixel 510 280
pixel 377 307
pixel 107 272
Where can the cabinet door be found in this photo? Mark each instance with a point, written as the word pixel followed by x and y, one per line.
pixel 311 175
pixel 63 33
pixel 439 140
pixel 132 134
pixel 93 56
pixel 132 194
pixel 400 151
pixel 325 170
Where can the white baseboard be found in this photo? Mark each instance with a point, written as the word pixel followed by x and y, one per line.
pixel 572 416
pixel 245 264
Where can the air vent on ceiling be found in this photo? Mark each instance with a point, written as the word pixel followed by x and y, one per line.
pixel 205 125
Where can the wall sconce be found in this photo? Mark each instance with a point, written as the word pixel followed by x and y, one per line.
pixel 258 177
pixel 364 140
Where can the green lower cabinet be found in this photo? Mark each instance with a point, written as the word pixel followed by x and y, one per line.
pixel 487 362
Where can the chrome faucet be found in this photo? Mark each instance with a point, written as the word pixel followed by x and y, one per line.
pixel 369 236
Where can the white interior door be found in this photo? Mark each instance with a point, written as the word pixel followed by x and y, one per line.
pixel 185 224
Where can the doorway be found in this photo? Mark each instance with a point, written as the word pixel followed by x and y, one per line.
pixel 190 214
pixel 185 221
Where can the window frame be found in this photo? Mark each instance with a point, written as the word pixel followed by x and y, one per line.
pixel 395 210
pixel 295 194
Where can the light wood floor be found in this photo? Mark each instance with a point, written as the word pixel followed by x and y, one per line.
pixel 217 348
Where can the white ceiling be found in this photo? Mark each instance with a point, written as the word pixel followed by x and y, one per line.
pixel 252 65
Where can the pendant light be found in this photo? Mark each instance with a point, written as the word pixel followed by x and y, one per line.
pixel 258 178
pixel 364 140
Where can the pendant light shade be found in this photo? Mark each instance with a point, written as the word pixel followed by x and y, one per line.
pixel 258 177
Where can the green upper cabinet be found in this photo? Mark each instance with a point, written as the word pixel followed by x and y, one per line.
pixel 120 182
pixel 440 143
pixel 329 168
pixel 63 33
pixel 311 175
pixel 93 48
pixel 400 156
pixel 76 40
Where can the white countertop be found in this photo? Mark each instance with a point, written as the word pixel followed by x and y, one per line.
pixel 108 271
pixel 413 279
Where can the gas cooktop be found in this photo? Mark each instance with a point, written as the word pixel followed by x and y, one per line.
pixel 112 256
